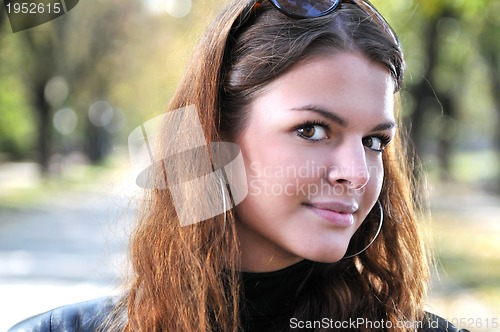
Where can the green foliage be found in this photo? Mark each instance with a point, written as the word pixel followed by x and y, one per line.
pixel 16 134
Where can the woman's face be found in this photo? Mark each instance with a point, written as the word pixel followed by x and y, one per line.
pixel 313 146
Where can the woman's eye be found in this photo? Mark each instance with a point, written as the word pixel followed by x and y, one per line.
pixel 376 143
pixel 312 132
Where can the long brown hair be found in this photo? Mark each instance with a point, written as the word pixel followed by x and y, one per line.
pixel 186 278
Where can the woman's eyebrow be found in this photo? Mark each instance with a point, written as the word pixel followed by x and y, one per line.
pixel 385 126
pixel 341 121
pixel 338 119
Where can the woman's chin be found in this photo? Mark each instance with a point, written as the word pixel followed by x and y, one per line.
pixel 326 256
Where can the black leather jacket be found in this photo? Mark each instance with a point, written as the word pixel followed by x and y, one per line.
pixel 80 317
pixel 89 316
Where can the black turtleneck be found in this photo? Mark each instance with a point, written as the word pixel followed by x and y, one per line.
pixel 268 297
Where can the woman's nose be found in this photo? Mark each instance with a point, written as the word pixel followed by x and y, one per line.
pixel 349 167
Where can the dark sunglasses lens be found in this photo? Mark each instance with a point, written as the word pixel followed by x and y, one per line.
pixel 306 8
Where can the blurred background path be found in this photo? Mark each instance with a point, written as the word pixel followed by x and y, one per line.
pixel 465 229
pixel 59 247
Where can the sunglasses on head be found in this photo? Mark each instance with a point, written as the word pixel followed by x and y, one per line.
pixel 300 9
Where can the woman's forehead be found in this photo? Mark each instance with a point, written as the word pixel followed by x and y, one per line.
pixel 340 81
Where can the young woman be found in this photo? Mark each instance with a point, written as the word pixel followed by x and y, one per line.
pixel 326 238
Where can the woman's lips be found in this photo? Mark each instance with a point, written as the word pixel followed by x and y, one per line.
pixel 337 214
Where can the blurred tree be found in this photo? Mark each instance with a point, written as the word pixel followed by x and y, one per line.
pixel 430 96
pixel 77 47
pixel 94 66
pixel 14 130
pixel 2 15
pixel 443 43
pixel 114 52
pixel 43 47
pixel 489 40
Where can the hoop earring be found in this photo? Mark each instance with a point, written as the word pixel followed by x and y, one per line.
pixel 376 234
pixel 225 199
pixel 224 206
